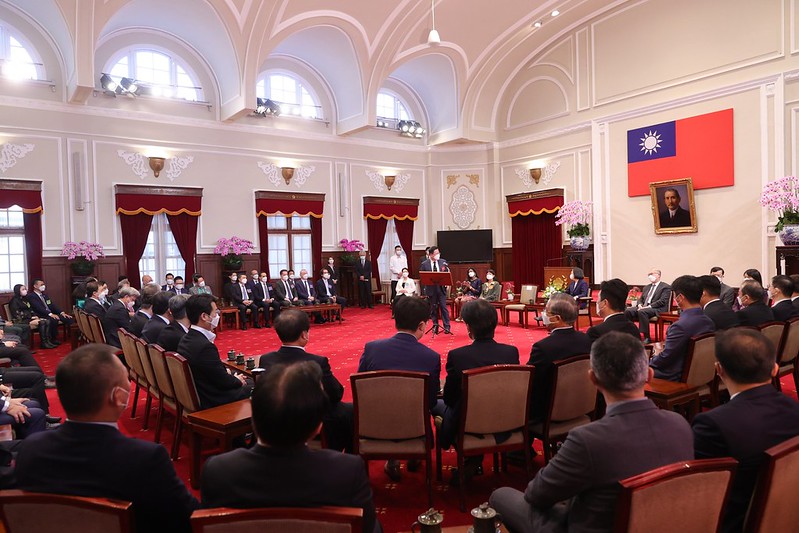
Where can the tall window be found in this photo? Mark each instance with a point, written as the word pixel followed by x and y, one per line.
pixel 18 59
pixel 289 244
pixel 161 255
pixel 12 248
pixel 390 110
pixel 157 73
pixel 290 93
pixel 389 242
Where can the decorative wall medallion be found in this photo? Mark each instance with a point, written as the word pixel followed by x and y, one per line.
pixel 380 182
pixel 377 180
pixel 474 179
pixel 275 174
pixel 401 181
pixel 463 207
pixel 176 165
pixel 301 175
pixel 452 179
pixel 136 161
pixel 271 171
pixel 546 175
pixel 11 152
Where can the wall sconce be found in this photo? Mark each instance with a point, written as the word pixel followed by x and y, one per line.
pixel 157 164
pixel 288 173
pixel 389 180
pixel 535 173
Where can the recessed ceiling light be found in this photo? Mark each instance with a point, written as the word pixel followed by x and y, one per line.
pixel 555 13
pixel 537 24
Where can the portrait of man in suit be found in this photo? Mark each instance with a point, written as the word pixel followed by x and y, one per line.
pixel 673 206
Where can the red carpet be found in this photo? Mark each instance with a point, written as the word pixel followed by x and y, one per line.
pixel 398 504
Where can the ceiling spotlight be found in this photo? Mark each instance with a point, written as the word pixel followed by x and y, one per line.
pixel 129 85
pixel 433 38
pixel 107 83
pixel 537 24
pixel 411 128
pixel 555 13
pixel 266 107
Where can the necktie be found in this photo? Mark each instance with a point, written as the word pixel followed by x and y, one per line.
pixel 45 303
pixel 243 293
pixel 435 266
pixel 263 288
pixel 649 296
pixel 288 290
pixel 327 288
pixel 307 290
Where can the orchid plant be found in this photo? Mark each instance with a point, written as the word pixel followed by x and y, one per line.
pixel 576 215
pixel 556 284
pixel 782 197
pixel 233 246
pixel 83 251
pixel 351 249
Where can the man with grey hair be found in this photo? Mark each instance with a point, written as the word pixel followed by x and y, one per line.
pixel 119 314
pixel 170 336
pixel 145 312
pixel 577 490
pixel 655 299
pixel 563 342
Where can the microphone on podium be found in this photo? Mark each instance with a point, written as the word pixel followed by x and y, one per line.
pixel 548 261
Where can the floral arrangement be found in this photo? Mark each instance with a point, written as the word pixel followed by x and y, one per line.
pixel 351 249
pixel 634 295
pixel 556 284
pixel 576 215
pixel 83 251
pixel 233 246
pixel 782 197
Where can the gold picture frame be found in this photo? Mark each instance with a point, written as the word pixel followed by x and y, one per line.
pixel 673 207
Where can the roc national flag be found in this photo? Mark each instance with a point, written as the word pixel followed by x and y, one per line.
pixel 698 147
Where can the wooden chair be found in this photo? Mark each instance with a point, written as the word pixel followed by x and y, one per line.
pixel 392 418
pixel 377 292
pixel 228 311
pixel 279 519
pixel 654 320
pixel 130 356
pixel 185 392
pixel 699 368
pixel 149 382
pixel 484 413
pixel 166 392
pixel 98 335
pixel 588 301
pixel 774 331
pixel 24 512
pixel 788 353
pixel 528 296
pixel 571 405
pixel 688 497
pixel 7 313
pixel 773 506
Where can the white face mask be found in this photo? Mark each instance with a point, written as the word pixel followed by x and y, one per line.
pixel 305 276
pixel 740 303
pixel 436 257
pixel 545 318
pixel 398 252
pixel 284 277
pixel 264 279
pixel 170 282
pixel 489 277
pixel 242 280
pixel 597 308
pixel 291 276
pixel 330 262
pixel 234 278
pixel 202 284
pixel 41 288
pixel 571 277
pixel 652 278
pixel 471 274
pixel 215 321
pixel 103 293
pixel 179 286
pixel 23 292
pixel 404 274
pixel 127 398
pixel 362 257
pixel 326 276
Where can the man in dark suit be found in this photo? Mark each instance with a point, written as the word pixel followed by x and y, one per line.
pixel 563 342
pixel 363 269
pixel 655 299
pixel 281 470
pixel 96 292
pixel 292 327
pixel 118 315
pixel 170 283
pixel 45 308
pixel 437 294
pixel 145 311
pixel 674 216
pixel 781 305
pixel 723 317
pixel 668 359
pixel 215 384
pixel 326 290
pixel 241 297
pixel 754 311
pixel 285 294
pixel 161 317
pixel 179 287
pixel 403 351
pixel 169 337
pixel 610 306
pixel 306 292
pixel 756 418
pixel 577 490
pixel 264 298
pixel 795 295
pixel 727 293
pixel 88 456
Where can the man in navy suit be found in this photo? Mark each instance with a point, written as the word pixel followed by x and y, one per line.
pixel 403 351
pixel 436 293
pixel 668 359
pixel 161 317
pixel 264 297
pixel 326 289
pixel 96 292
pixel 563 342
pixel 43 307
pixel 288 406
pixel 216 385
pixel 754 312
pixel 179 287
pixel 307 294
pixel 145 311
pixel 363 269
pixel 781 292
pixel 170 283
pixel 727 293
pixel 241 297
pixel 756 418
pixel 720 313
pixel 610 306
pixel 292 328
pixel 118 315
pixel 655 299
pixel 169 337
pixel 88 456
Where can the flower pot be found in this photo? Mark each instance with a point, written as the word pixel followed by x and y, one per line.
pixel 580 243
pixel 81 267
pixel 349 258
pixel 789 234
pixel 232 262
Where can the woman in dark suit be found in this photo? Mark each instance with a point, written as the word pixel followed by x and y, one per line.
pixel 471 289
pixel 23 317
pixel 578 286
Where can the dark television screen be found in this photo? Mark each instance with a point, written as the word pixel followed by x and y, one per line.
pixel 470 246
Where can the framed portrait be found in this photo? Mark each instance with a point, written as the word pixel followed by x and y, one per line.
pixel 673 208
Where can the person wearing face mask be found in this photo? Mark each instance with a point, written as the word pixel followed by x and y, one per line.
pixel 326 290
pixel 721 315
pixel 406 285
pixel 781 290
pixel 240 296
pixel 437 294
pixel 306 292
pixel 95 295
pixel 363 269
pixel 754 312
pixel 396 263
pixel 610 306
pixel 563 342
pixel 25 320
pixel 668 358
pixel 94 389
pixel 334 273
pixel 264 297
pixel 161 317
pixel 727 292
pixel 179 287
pixel 492 289
pixel 199 286
pixel 655 299
pixel 216 385
pixel 119 315
pixel 285 293
pixel 170 283
pixel 44 307
pixel 578 287
pixel 471 289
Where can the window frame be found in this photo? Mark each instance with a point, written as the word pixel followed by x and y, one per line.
pixel 175 61
pixel 15 231
pixel 7 31
pixel 161 232
pixel 289 231
pixel 300 84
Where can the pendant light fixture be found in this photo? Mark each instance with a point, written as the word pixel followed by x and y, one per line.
pixel 433 38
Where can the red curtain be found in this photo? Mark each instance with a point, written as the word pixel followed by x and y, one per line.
pixel 263 239
pixel 376 229
pixel 184 229
pixel 390 210
pixel 33 243
pixel 135 229
pixel 316 245
pixel 405 234
pixel 536 239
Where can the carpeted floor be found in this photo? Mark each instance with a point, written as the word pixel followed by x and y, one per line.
pixel 398 504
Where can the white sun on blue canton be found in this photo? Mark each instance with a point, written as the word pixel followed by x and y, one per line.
pixel 650 143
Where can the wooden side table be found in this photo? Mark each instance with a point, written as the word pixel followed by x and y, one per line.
pixel 224 423
pixel 670 394
pixel 663 319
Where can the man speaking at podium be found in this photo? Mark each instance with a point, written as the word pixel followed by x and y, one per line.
pixel 436 293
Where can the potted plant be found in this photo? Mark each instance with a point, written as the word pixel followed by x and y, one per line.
pixel 232 250
pixel 633 296
pixel 556 284
pixel 577 216
pixel 782 197
pixel 83 255
pixel 351 249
